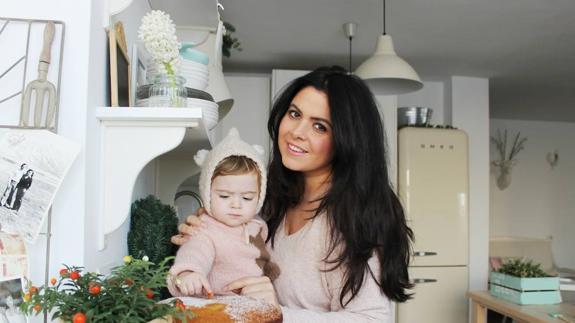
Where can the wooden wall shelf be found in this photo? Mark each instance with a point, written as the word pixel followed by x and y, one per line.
pixel 132 137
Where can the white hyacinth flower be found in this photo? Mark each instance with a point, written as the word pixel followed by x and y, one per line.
pixel 158 33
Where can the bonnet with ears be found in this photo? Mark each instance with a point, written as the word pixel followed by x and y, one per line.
pixel 231 145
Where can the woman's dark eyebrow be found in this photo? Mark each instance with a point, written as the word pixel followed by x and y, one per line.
pixel 292 105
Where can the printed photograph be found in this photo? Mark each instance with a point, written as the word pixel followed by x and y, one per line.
pixel 33 164
pixel 13 266
pixel 10 298
pixel 11 245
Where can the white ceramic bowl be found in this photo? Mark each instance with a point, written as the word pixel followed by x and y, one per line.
pixel 209 111
pixel 191 64
pixel 195 82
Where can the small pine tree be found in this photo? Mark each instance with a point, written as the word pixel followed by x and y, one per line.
pixel 152 225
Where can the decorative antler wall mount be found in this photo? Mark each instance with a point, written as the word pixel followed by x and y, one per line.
pixel 506 161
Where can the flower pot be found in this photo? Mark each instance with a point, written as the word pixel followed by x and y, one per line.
pixel 523 291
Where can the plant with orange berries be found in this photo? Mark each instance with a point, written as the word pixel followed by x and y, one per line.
pixel 128 294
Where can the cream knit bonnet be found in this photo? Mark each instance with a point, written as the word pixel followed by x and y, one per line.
pixel 231 145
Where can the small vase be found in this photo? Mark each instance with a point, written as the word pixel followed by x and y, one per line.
pixel 167 91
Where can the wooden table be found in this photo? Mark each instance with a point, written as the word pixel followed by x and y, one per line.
pixel 482 301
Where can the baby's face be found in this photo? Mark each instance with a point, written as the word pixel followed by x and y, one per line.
pixel 234 198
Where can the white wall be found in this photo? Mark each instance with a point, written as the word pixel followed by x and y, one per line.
pixel 250 112
pixel 470 112
pixel 539 202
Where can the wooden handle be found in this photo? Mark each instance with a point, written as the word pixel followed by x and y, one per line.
pixel 48 38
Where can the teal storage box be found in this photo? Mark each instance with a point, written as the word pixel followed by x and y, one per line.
pixel 525 291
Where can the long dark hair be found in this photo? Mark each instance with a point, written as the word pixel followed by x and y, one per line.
pixel 364 214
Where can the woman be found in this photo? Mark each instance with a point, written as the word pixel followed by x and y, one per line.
pixel 7 199
pixel 21 188
pixel 337 230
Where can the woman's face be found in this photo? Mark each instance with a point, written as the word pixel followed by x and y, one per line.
pixel 305 134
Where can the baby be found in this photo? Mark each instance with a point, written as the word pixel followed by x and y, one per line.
pixel 231 245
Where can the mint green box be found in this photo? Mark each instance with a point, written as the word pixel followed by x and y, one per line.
pixel 525 291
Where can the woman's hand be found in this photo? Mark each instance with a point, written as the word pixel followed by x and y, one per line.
pixel 256 287
pixel 189 228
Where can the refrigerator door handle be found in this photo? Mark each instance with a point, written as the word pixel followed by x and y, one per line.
pixel 424 253
pixel 424 280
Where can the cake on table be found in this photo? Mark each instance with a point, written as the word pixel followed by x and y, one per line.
pixel 231 309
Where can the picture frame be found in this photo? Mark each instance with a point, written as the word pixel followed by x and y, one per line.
pixel 138 72
pixel 120 70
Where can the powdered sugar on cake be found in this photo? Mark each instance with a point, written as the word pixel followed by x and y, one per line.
pixel 240 309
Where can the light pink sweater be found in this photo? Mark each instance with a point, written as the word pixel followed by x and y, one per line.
pixel 220 252
pixel 309 295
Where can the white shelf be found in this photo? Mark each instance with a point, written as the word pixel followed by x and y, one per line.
pixel 129 139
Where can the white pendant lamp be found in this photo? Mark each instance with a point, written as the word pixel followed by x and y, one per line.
pixel 387 72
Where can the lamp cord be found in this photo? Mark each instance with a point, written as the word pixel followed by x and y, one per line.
pixel 384 17
pixel 350 39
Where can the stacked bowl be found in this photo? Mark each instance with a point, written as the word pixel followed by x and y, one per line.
pixel 196 74
pixel 194 66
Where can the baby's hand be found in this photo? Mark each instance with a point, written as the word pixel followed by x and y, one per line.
pixel 192 283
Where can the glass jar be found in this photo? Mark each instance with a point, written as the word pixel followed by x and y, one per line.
pixel 167 91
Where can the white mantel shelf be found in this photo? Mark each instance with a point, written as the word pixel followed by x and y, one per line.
pixel 129 139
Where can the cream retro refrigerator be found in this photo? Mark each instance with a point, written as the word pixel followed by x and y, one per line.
pixel 433 187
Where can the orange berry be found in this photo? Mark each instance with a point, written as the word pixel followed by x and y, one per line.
pixel 33 290
pixel 53 281
pixel 37 307
pixel 180 305
pixel 64 272
pixel 150 294
pixel 79 318
pixel 74 275
pixel 95 289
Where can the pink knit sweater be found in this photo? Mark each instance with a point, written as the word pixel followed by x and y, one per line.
pixel 309 294
pixel 220 252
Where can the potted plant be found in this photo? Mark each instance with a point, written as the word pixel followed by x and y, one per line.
pixel 152 224
pixel 230 42
pixel 157 32
pixel 522 281
pixel 128 294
